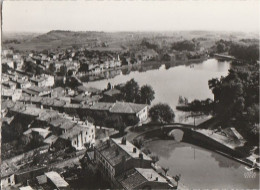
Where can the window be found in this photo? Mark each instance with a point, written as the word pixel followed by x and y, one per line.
pixel 86 132
pixel 9 180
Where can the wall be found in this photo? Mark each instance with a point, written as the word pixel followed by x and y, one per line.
pixel 7 181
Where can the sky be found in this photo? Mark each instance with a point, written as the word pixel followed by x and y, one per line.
pixel 137 15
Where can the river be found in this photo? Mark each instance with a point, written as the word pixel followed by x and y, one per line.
pixel 201 168
pixel 170 82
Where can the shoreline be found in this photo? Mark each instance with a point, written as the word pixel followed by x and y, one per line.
pixel 224 150
pixel 140 65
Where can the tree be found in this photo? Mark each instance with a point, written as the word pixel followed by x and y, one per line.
pixel 162 113
pixel 131 91
pixel 147 94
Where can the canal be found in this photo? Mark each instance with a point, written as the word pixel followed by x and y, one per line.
pixel 201 168
pixel 170 82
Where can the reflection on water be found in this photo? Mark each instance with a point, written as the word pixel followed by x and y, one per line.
pixel 201 168
pixel 169 81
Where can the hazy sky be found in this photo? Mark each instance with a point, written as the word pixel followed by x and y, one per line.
pixel 138 15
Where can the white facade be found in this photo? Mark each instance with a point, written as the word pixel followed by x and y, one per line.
pixel 86 136
pixel 143 114
pixel 7 181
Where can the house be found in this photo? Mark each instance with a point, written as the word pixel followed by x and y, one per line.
pixel 115 156
pixel 58 92
pixel 36 133
pixel 7 175
pixel 43 80
pixel 11 94
pixel 37 91
pixel 28 187
pixel 142 178
pixel 56 181
pixel 79 135
pixel 82 98
pixel 9 85
pixel 23 84
pixel 128 108
pixel 87 90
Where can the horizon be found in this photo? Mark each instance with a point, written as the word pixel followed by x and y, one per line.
pixel 130 16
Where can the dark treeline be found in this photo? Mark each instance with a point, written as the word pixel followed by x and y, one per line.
pixel 185 45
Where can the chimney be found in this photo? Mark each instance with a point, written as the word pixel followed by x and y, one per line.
pixel 134 150
pixel 123 141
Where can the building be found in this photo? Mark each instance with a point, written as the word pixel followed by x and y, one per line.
pixel 7 175
pixel 43 80
pixel 79 135
pixel 87 90
pixel 11 94
pixel 37 91
pixel 116 156
pixel 127 108
pixel 56 181
pixel 142 178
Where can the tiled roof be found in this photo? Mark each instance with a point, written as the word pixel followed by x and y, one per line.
pixel 112 153
pixel 131 179
pixel 7 169
pixel 102 106
pixel 76 130
pixel 127 107
pixel 115 151
pixel 56 179
pixel 50 139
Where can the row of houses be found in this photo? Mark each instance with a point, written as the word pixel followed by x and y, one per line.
pixel 50 126
pixel 117 108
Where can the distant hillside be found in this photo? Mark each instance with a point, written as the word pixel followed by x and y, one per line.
pixel 109 41
pixel 64 39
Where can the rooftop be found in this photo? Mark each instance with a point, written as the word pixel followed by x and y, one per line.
pixel 56 179
pixel 73 132
pixel 114 151
pixel 137 176
pixel 43 132
pixel 127 107
pixel 102 106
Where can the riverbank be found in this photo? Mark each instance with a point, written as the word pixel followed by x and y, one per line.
pixel 144 66
pixel 199 138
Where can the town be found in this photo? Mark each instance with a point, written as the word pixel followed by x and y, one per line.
pixel 93 108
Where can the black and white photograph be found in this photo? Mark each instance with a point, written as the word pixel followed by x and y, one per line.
pixel 130 94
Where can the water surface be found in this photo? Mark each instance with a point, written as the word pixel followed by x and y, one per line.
pixel 190 81
pixel 201 168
